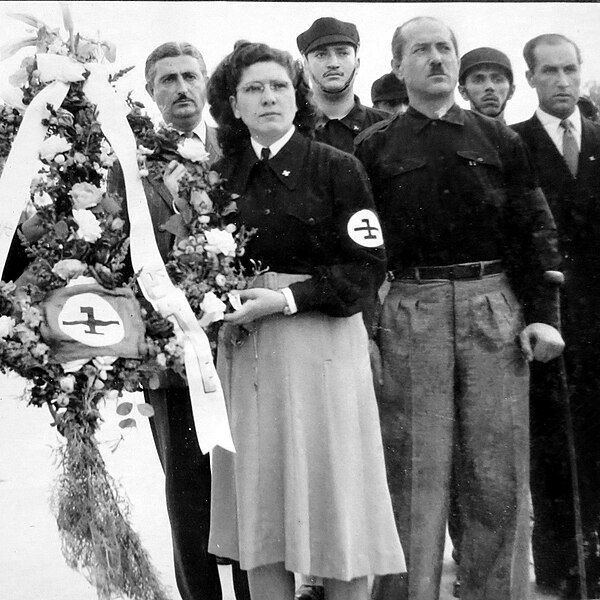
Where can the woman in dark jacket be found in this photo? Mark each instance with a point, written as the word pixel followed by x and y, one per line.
pixel 306 491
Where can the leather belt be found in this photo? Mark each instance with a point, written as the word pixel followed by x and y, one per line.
pixel 475 270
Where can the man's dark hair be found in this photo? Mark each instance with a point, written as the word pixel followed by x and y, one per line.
pixel 551 39
pixel 398 40
pixel 169 50
pixel 222 85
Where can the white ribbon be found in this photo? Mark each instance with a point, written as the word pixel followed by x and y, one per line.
pixel 23 162
pixel 208 404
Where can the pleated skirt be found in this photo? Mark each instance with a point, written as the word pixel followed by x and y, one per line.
pixel 307 485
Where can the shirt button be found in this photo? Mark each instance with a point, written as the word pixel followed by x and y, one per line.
pixel 434 123
pixel 311 221
pixel 446 192
pixel 267 211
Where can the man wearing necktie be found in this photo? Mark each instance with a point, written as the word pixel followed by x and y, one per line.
pixel 176 80
pixel 565 149
pixel 468 237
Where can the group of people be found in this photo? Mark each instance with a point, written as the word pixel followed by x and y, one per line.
pixel 377 376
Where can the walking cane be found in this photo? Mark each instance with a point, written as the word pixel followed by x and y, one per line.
pixel 557 278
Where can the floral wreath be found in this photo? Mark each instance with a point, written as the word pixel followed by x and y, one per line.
pixel 82 244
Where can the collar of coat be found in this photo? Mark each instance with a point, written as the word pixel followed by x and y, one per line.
pixel 286 164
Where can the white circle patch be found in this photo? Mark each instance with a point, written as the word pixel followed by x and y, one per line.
pixel 364 229
pixel 91 320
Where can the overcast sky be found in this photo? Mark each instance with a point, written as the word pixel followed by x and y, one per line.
pixel 137 27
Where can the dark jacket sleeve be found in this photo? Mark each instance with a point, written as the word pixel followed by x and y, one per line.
pixel 348 285
pixel 17 260
pixel 533 241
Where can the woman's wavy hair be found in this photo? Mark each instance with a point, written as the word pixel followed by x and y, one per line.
pixel 233 133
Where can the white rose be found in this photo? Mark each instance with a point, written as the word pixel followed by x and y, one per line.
pixel 85 195
pixel 201 202
pixel 42 199
pixel 53 145
pixel 107 156
pixel 220 241
pixel 193 149
pixel 62 68
pixel 7 325
pixel 220 280
pixel 89 227
pixel 69 268
pixel 67 383
pixel 213 309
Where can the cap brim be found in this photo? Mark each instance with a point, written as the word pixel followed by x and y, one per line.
pixel 327 40
pixel 486 63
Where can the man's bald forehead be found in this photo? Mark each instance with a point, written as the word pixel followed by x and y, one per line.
pixel 399 38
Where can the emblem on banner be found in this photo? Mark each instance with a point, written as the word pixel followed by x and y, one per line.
pixel 91 320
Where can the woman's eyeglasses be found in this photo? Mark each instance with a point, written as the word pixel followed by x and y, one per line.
pixel 258 87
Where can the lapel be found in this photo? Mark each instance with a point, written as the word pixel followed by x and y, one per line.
pixel 589 156
pixel 212 144
pixel 158 188
pixel 286 164
pixel 549 158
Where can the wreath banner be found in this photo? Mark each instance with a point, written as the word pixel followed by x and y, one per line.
pixel 208 403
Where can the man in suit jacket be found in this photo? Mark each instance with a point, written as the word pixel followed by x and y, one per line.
pixel 176 81
pixel 565 148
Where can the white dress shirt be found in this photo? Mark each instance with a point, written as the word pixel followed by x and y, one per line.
pixel 555 131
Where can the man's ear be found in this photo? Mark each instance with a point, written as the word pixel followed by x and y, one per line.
pixel 396 67
pixel 511 91
pixel 529 77
pixel 463 92
pixel 150 90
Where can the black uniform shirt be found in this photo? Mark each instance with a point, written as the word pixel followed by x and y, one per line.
pixel 340 133
pixel 314 212
pixel 461 189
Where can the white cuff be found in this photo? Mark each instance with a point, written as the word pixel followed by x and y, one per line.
pixel 289 298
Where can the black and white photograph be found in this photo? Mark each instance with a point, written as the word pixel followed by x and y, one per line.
pixel 299 300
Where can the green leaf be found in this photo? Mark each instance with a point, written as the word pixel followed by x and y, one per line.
pixel 176 226
pixel 145 409
pixel 125 423
pixel 124 408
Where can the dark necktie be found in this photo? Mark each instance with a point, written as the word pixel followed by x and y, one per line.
pixel 570 149
pixel 265 153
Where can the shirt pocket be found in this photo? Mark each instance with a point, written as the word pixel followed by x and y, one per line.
pixel 403 177
pixel 481 172
pixel 496 320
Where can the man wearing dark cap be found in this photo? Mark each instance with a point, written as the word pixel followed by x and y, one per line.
pixel 388 93
pixel 469 236
pixel 485 79
pixel 330 51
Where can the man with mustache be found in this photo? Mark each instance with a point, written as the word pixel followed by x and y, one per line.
pixel 565 148
pixel 176 81
pixel 485 80
pixel 469 237
pixel 330 51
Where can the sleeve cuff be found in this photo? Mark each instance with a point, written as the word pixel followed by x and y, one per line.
pixel 289 298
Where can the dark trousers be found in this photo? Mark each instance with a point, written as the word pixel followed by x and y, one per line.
pixel 187 490
pixel 553 540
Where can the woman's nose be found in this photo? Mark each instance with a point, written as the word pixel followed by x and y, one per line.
pixel 268 95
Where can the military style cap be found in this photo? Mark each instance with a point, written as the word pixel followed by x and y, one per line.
pixel 388 88
pixel 484 56
pixel 327 30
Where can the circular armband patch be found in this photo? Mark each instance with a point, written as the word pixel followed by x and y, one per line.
pixel 364 229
